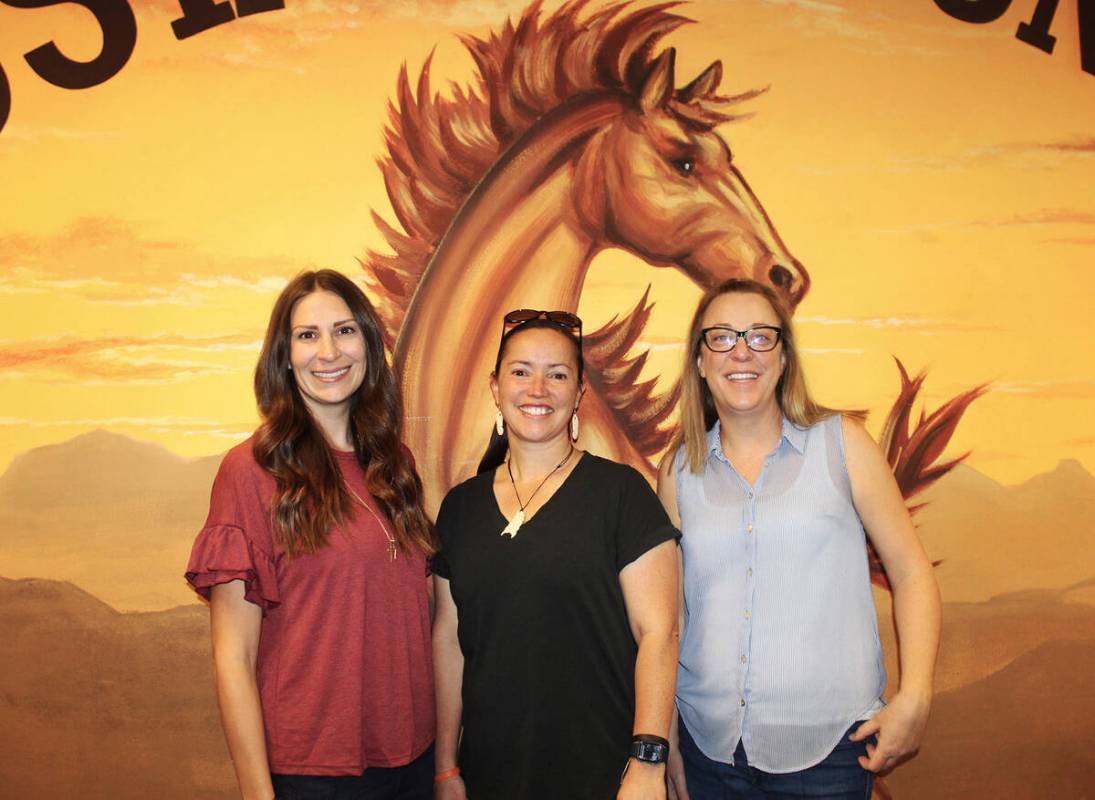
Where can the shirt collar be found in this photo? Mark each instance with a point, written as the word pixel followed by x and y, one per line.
pixel 791 433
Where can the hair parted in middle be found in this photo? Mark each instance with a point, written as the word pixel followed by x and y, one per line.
pixel 311 495
pixel 698 413
pixel 498 446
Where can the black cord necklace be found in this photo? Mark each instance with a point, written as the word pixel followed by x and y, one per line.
pixel 519 518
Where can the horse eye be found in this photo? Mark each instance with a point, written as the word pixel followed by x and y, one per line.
pixel 685 166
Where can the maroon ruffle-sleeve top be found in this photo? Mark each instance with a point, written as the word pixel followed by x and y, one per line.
pixel 344 661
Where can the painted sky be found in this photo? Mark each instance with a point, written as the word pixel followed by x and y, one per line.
pixel 933 176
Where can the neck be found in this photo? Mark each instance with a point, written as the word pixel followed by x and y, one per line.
pixel 334 422
pixel 529 460
pixel 757 431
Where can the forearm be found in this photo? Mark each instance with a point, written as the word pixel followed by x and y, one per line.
pixel 917 617
pixel 448 683
pixel 241 716
pixel 655 678
pixel 655 681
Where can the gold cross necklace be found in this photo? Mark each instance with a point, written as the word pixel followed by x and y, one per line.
pixel 392 551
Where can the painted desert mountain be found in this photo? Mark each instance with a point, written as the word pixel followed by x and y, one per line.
pixel 111 514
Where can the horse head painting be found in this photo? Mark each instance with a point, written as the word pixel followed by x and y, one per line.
pixel 576 138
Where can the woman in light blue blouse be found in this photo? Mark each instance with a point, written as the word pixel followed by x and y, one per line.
pixel 781 678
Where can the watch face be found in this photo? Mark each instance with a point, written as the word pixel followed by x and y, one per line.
pixel 651 752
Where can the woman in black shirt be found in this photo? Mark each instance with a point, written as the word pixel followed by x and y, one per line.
pixel 555 641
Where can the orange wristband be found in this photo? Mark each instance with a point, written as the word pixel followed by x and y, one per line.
pixel 446 774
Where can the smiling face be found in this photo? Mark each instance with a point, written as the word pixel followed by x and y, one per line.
pixel 537 386
pixel 741 381
pixel 326 352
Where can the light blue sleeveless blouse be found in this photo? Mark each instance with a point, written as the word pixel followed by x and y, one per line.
pixel 780 646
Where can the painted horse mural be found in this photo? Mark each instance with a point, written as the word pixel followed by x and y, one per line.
pixel 575 139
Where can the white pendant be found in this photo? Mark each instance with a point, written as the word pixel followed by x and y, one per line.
pixel 514 524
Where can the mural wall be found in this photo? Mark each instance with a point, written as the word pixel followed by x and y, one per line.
pixel 914 176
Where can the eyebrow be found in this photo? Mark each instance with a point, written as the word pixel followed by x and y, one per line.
pixel 335 325
pixel 752 325
pixel 515 361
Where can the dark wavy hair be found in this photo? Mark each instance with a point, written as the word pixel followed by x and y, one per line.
pixel 311 495
pixel 498 445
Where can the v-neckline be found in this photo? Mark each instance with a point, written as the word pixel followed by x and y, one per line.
pixel 546 503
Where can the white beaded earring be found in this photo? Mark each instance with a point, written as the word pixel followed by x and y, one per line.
pixel 574 426
pixel 499 422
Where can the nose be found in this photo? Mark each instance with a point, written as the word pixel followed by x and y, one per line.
pixel 537 386
pixel 328 348
pixel 740 350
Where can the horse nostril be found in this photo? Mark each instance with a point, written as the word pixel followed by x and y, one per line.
pixel 780 276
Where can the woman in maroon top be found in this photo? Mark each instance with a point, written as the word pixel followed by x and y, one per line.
pixel 314 561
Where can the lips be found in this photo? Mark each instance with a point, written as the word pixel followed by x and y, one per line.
pixel 738 377
pixel 330 375
pixel 536 411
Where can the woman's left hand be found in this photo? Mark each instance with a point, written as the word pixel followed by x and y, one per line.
pixel 643 782
pixel 900 726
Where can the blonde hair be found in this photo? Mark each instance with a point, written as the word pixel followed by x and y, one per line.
pixel 698 413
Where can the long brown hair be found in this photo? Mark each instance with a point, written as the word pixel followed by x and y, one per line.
pixel 698 413
pixel 311 495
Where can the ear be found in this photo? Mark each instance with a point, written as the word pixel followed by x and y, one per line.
pixel 704 85
pixel 699 366
pixel 782 361
pixel 493 383
pixel 658 86
pixel 581 394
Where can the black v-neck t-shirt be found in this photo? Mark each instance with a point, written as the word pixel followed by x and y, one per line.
pixel 549 658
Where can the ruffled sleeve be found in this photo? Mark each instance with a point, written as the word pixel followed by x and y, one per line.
pixel 222 553
pixel 236 542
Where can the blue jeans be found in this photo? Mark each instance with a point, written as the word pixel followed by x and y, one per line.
pixel 838 777
pixel 411 782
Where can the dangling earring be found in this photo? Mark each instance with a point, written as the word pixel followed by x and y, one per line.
pixel 574 426
pixel 499 422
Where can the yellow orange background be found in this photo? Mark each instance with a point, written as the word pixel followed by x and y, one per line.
pixel 933 176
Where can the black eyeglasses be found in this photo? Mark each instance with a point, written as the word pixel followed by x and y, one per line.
pixel 723 339
pixel 562 319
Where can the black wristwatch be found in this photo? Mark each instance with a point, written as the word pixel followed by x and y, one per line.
pixel 649 749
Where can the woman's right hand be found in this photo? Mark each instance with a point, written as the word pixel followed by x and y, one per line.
pixel 450 789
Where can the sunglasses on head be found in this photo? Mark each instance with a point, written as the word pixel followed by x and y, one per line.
pixel 563 319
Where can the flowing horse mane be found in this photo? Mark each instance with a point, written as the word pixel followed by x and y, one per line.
pixel 439 149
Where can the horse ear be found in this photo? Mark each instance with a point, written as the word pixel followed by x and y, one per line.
pixel 658 85
pixel 705 84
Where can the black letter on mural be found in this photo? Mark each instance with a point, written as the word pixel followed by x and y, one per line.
pixel 5 98
pixel 1085 9
pixel 976 11
pixel 245 7
pixel 201 15
pixel 1036 32
pixel 119 27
